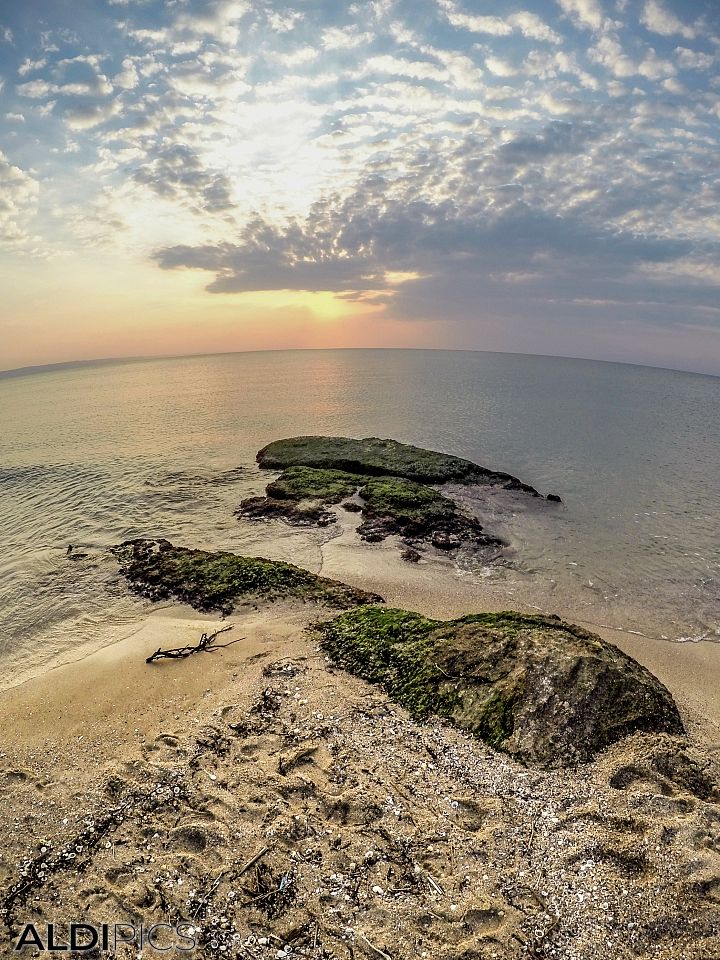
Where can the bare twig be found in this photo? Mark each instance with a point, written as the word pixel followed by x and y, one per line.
pixel 434 884
pixel 377 950
pixel 252 862
pixel 205 644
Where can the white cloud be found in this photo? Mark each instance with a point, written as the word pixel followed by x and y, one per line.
pixel 29 65
pixel 609 53
pixel 18 204
pixel 532 27
pixel 658 19
pixel 693 59
pixel 500 68
pixel 127 78
pixel 493 26
pixel 674 86
pixel 655 68
pixel 526 23
pixel 398 67
pixel 344 38
pixel 35 89
pixel 97 86
pixel 284 22
pixel 586 13
pixel 6 34
pixel 218 19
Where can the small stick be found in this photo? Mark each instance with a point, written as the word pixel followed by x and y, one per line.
pixel 204 645
pixel 435 885
pixel 377 950
pixel 251 863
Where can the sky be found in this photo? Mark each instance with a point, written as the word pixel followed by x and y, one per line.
pixel 538 176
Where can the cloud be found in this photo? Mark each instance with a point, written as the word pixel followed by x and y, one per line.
pixel 585 13
pixel 218 19
pixel 35 89
pixel 464 241
pixel 18 204
pixel 399 67
pixel 73 77
pixel 658 19
pixel 344 38
pixel 127 78
pixel 524 22
pixel 557 138
pixel 693 59
pixel 85 116
pixel 609 53
pixel 28 66
pixel 499 67
pixel 177 173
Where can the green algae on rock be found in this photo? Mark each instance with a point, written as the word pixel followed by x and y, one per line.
pixel 309 483
pixel 392 505
pixel 544 691
pixel 373 456
pixel 218 580
pixel 300 496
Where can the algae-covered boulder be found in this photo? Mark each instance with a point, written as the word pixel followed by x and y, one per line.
pixel 544 691
pixel 218 580
pixel 389 505
pixel 376 457
pixel 392 505
pixel 307 483
pixel 300 495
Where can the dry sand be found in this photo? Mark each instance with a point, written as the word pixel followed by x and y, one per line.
pixel 152 787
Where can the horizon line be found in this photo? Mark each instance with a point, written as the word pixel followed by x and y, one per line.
pixel 33 369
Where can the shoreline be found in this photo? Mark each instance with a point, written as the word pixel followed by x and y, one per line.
pixel 435 588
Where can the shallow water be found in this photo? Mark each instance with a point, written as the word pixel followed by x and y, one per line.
pixel 91 455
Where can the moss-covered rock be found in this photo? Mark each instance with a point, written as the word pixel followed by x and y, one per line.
pixel 542 690
pixel 212 581
pixel 300 495
pixel 390 505
pixel 418 512
pixel 309 513
pixel 373 456
pixel 308 483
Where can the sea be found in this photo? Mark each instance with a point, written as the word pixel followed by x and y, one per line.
pixel 92 454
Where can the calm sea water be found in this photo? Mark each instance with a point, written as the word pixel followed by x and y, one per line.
pixel 93 455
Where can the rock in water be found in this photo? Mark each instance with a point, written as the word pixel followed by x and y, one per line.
pixel 541 690
pixel 375 457
pixel 389 505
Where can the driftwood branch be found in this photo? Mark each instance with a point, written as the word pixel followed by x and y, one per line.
pixel 206 644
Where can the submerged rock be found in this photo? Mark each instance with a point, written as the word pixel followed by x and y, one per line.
pixel 539 689
pixel 373 456
pixel 389 505
pixel 218 580
pixel 392 505
pixel 311 514
pixel 411 555
pixel 300 495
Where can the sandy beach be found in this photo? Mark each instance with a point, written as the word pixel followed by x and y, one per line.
pixel 152 787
